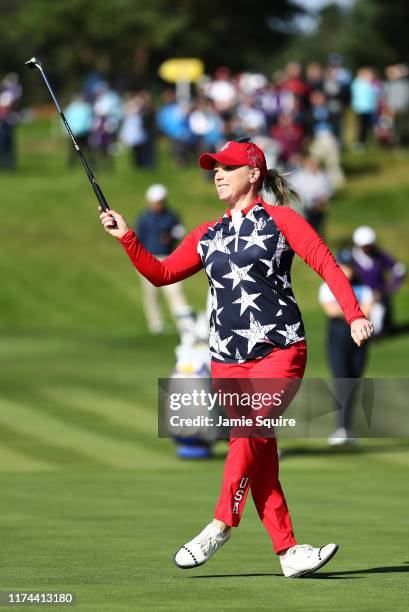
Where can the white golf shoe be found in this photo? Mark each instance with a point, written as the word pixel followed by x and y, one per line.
pixel 340 437
pixel 201 548
pixel 304 559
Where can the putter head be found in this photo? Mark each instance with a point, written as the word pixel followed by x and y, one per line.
pixel 33 63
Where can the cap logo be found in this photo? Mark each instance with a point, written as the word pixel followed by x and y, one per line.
pixel 225 146
pixel 253 157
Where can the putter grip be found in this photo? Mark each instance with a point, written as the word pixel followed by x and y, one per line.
pixel 100 196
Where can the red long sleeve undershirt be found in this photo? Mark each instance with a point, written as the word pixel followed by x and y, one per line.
pixel 182 263
pixel 185 260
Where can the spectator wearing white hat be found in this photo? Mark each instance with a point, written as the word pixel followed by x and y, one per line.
pixel 158 228
pixel 314 187
pixel 381 272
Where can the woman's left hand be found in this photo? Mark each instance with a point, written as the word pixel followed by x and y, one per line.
pixel 361 330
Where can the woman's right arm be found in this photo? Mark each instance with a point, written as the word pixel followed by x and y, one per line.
pixel 182 263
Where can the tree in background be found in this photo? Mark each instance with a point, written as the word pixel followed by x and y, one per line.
pixel 125 40
pixel 114 37
pixel 369 32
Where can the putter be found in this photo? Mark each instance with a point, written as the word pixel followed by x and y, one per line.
pixel 35 63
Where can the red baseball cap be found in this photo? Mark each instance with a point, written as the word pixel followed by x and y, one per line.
pixel 236 153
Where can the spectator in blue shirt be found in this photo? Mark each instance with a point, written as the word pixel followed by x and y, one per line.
pixel 158 228
pixel 79 115
pixel 173 122
pixel 365 103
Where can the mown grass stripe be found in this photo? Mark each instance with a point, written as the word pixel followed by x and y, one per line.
pixel 21 460
pixel 27 420
pixel 128 413
pixel 96 415
pixel 31 451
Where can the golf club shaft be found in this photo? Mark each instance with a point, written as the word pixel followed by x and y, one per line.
pixel 97 189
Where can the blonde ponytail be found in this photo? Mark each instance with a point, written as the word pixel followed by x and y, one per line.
pixel 275 182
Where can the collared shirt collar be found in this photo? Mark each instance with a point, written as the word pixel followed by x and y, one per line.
pixel 244 211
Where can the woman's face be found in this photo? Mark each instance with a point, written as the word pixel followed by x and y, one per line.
pixel 234 182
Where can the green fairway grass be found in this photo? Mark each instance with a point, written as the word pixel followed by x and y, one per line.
pixel 109 535
pixel 91 501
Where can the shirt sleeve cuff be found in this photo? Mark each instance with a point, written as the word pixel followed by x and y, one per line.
pixel 356 317
pixel 127 238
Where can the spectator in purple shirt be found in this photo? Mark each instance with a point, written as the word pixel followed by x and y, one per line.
pixel 381 272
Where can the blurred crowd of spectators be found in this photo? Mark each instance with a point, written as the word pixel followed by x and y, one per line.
pixel 297 117
pixel 298 111
pixel 294 112
pixel 10 93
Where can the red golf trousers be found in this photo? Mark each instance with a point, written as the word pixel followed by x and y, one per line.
pixel 252 462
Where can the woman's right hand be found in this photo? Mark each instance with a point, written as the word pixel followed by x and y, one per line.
pixel 114 223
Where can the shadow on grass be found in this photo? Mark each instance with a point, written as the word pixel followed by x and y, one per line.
pixel 305 450
pixel 322 576
pixel 392 569
pixel 388 569
pixel 361 167
pixel 348 449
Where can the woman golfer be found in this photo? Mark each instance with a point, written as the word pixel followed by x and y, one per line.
pixel 256 329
